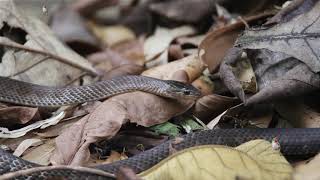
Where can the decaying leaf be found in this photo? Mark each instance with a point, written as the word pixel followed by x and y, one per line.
pixel 105 121
pixel 155 45
pixel 109 60
pixel 88 7
pixel 179 10
pixel 17 115
pixel 210 106
pixel 216 43
pixel 298 38
pixel 24 145
pixel 71 28
pixel 191 65
pixel 299 113
pixel 37 56
pixel 115 156
pixel 308 171
pixel 278 76
pixel 112 35
pixel 41 154
pixel 252 160
pixel 285 57
pixel 132 50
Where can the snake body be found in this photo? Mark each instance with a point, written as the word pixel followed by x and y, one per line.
pixel 294 142
pixel 23 93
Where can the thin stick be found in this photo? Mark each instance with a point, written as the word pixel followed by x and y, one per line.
pixel 51 55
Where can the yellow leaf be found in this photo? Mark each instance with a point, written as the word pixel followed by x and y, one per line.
pixel 252 160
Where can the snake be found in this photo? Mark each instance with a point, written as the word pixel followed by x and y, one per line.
pixel 296 142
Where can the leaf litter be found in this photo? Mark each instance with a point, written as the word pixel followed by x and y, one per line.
pixel 256 53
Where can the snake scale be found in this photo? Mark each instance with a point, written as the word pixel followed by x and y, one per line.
pixel 294 142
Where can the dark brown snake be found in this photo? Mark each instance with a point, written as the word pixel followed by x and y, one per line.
pixel 294 142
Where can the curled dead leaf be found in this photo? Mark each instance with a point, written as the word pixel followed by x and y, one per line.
pixel 210 106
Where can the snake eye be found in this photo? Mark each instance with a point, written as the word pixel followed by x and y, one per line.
pixel 186 92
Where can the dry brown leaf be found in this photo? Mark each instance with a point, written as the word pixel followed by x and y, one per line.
pixel 18 115
pixel 298 113
pixel 56 130
pixel 204 84
pixel 108 59
pixel 112 35
pixel 309 171
pixel 41 154
pixel 88 7
pixel 70 27
pixel 180 10
pixel 208 107
pixel 38 57
pixel 160 41
pixel 132 50
pixel 190 64
pixel 104 122
pixel 24 145
pixel 216 44
pixel 194 40
pixel 175 52
pixel 115 156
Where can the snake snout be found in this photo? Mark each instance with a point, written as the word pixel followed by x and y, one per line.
pixel 181 90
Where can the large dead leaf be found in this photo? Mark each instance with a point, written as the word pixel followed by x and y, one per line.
pixel 299 37
pixel 252 160
pixel 104 122
pixel 32 53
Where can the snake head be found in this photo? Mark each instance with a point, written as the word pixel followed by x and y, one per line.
pixel 183 90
